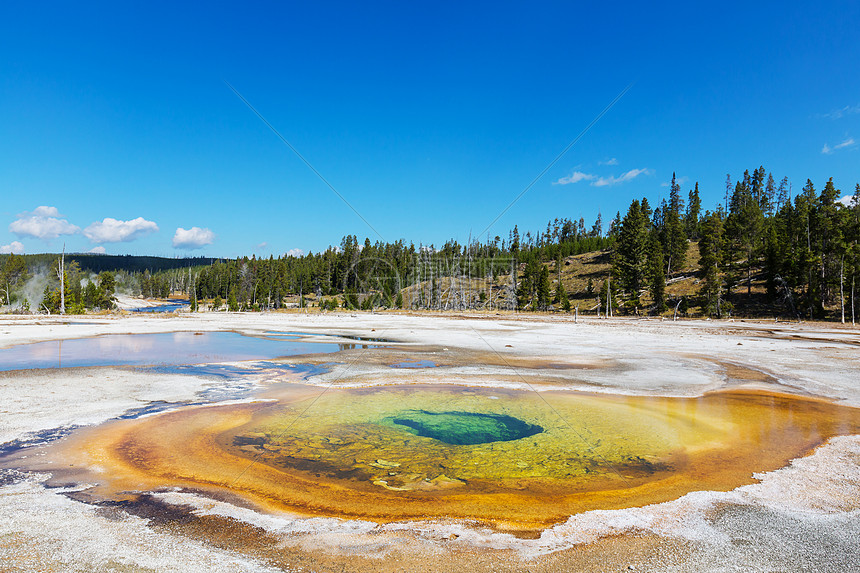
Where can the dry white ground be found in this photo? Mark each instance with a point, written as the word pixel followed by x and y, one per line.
pixel 803 517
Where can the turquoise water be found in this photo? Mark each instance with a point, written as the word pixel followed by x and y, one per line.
pixel 466 428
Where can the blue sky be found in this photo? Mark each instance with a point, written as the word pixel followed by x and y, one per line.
pixel 118 132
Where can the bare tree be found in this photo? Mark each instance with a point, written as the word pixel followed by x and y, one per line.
pixel 842 287
pixel 61 274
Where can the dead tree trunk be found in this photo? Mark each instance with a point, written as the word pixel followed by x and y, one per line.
pixel 514 283
pixel 609 296
pixel 841 287
pixel 61 272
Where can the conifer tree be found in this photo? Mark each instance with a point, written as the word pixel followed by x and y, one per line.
pixel 629 263
pixel 675 237
pixel 743 228
pixel 691 220
pixel 657 274
pixel 560 293
pixel 543 289
pixel 710 259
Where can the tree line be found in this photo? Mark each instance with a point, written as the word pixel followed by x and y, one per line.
pixel 762 250
pixel 800 253
pixel 61 287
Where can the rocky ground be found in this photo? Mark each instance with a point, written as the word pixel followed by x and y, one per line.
pixel 803 517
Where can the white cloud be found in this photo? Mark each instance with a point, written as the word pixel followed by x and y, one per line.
pixel 45 211
pixel 295 253
pixel 612 161
pixel 116 231
pixel 576 177
pixel 842 112
pixel 97 251
pixel 263 245
pixel 42 223
pixel 847 200
pixel 15 248
pixel 193 238
pixel 600 181
pixel 848 142
pixel 623 178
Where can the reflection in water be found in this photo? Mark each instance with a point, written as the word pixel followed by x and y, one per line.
pixel 414 364
pixel 349 453
pixel 350 346
pixel 164 348
pixel 166 307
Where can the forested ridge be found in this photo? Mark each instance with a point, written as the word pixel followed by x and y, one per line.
pixel 764 250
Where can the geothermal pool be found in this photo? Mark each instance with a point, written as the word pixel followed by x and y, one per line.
pixel 513 460
pixel 345 446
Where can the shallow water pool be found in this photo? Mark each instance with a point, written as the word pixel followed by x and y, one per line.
pixel 155 349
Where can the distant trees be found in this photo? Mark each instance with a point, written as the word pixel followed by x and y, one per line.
pixel 803 248
pixel 12 274
pixel 744 226
pixel 810 251
pixel 98 295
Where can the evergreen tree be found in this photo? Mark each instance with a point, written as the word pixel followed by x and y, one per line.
pixel 91 295
pixel 560 293
pixel 675 237
pixel 710 259
pixel 615 226
pixel 543 289
pixel 528 284
pixel 805 262
pixel 597 229
pixel 13 274
pixel 691 220
pixel 782 191
pixel 629 262
pixel 768 197
pixel 743 229
pixel 107 287
pixel 829 244
pixel 657 274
